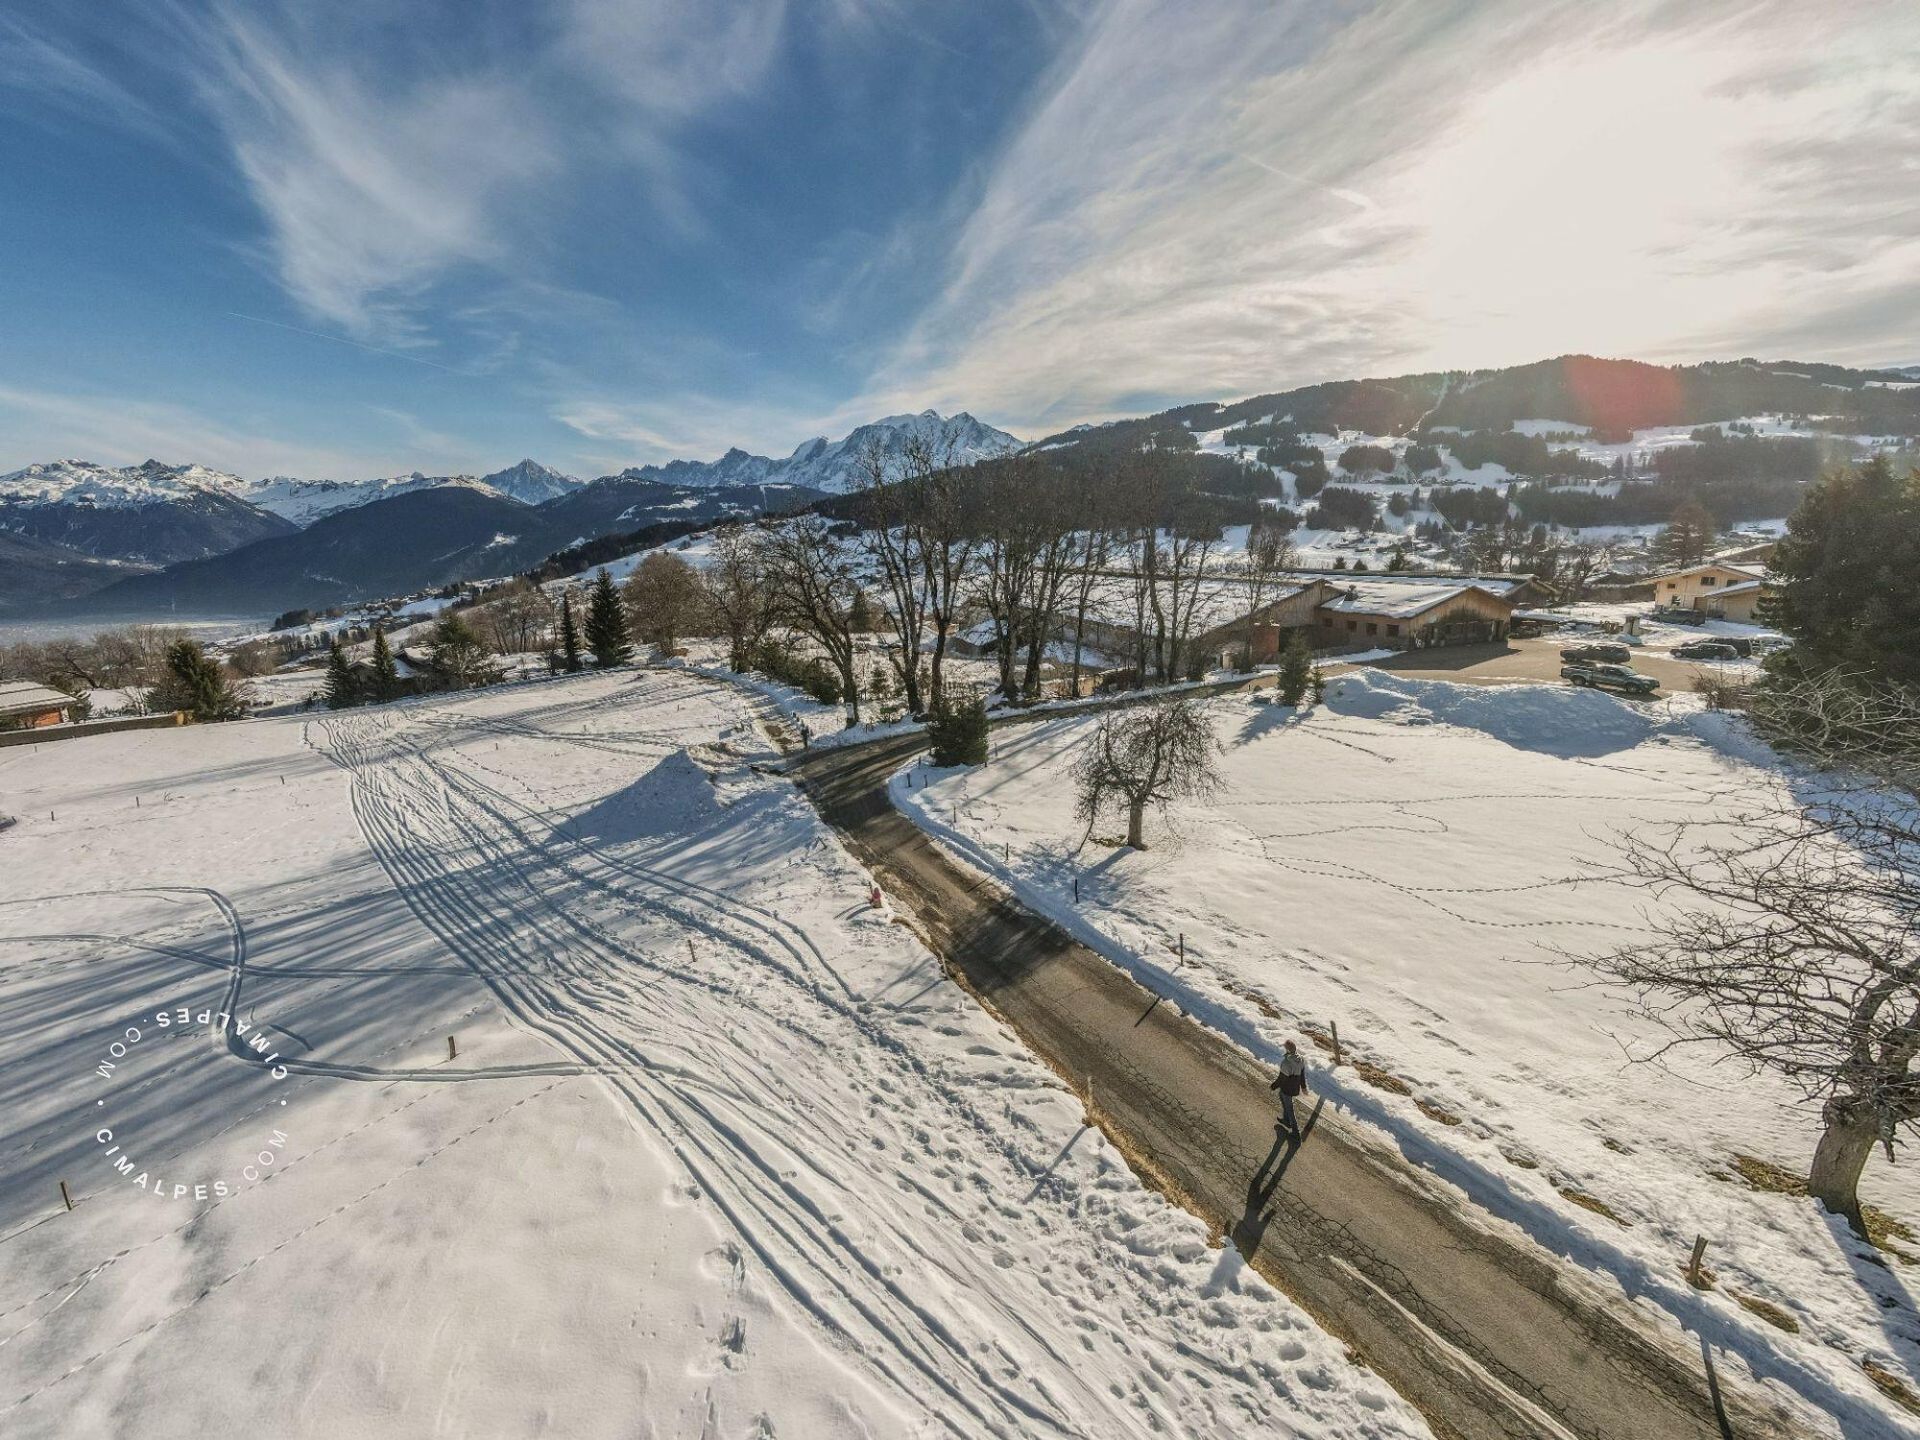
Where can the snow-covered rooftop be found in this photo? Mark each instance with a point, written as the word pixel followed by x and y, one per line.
pixel 1399 600
pixel 23 697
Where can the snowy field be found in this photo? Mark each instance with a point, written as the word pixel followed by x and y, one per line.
pixel 1412 861
pixel 715 1150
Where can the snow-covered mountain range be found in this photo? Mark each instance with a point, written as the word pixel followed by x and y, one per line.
pixel 831 465
pixel 153 514
pixel 104 487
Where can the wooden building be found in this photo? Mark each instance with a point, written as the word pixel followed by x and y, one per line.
pixel 1697 586
pixel 27 706
pixel 1412 614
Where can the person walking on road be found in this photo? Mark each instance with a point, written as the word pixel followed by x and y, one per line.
pixel 1290 1082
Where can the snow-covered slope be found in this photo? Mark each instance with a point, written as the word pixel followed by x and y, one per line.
pixel 718 1151
pixel 824 464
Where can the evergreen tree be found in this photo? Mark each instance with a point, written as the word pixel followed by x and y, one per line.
pixel 1848 573
pixel 606 627
pixel 1688 536
pixel 194 682
pixel 957 733
pixel 386 674
pixel 1296 670
pixel 569 635
pixel 459 654
pixel 341 690
pixel 860 614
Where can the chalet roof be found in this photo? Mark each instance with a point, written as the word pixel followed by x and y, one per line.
pixel 23 697
pixel 1745 587
pixel 1398 600
pixel 1753 571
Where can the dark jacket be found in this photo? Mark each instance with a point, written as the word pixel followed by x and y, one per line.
pixel 1292 1079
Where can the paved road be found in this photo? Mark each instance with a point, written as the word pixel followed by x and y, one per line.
pixel 1491 1338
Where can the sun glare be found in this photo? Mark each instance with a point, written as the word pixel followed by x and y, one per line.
pixel 1578 202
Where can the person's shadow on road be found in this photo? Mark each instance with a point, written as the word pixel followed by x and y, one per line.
pixel 1252 1225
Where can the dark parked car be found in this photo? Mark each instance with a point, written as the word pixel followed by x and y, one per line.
pixel 1705 650
pixel 1610 677
pixel 1606 653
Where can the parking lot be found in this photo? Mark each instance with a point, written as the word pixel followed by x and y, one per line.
pixel 1520 660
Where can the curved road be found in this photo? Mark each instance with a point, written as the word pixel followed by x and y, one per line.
pixel 1490 1337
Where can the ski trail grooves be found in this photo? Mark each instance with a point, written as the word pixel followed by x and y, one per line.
pixel 525 901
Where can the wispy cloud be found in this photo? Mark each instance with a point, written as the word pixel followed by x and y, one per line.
pixel 1222 199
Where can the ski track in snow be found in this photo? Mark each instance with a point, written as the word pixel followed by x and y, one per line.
pixel 517 895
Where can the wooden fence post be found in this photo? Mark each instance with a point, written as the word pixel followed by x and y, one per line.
pixel 452 1049
pixel 66 1195
pixel 1334 1026
pixel 1693 1264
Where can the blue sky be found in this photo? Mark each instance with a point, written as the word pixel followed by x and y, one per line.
pixel 354 238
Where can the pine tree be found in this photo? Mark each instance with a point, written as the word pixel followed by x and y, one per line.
pixel 1848 572
pixel 1296 670
pixel 194 682
pixel 607 624
pixel 386 674
pixel 1688 537
pixel 569 636
pixel 957 733
pixel 342 690
pixel 459 654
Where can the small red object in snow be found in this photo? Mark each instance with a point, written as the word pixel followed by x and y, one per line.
pixel 873 897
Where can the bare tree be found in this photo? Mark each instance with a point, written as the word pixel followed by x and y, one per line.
pixel 1012 537
pixel 1092 553
pixel 908 533
pixel 255 658
pixel 737 594
pixel 1146 755
pixel 1056 529
pixel 812 586
pixel 1187 544
pixel 519 621
pixel 1796 946
pixel 1270 554
pixel 664 598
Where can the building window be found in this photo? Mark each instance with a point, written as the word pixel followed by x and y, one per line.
pixel 1706 579
pixel 1372 629
pixel 1353 624
pixel 1393 629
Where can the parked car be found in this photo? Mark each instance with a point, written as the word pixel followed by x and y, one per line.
pixel 1679 615
pixel 1705 650
pixel 1768 644
pixel 1610 677
pixel 1604 652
